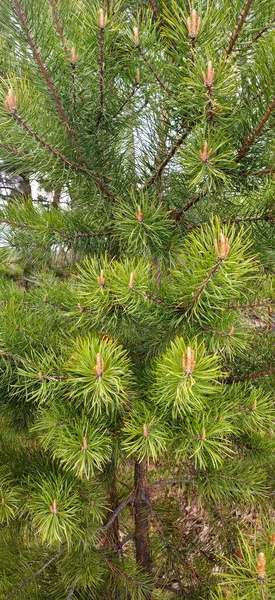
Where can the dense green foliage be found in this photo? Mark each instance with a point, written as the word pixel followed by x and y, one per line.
pixel 137 314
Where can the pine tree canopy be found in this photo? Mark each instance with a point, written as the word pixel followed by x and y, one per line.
pixel 137 331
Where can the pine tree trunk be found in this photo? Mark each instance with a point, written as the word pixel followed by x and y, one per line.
pixel 142 512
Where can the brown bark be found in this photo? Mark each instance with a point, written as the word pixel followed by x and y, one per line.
pixel 142 513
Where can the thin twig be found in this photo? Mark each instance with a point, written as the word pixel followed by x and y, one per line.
pixel 43 69
pixel 238 27
pixel 152 69
pixel 13 149
pixel 31 577
pixel 67 236
pixel 165 161
pixel 69 163
pixel 247 145
pixel 258 375
pixel 266 171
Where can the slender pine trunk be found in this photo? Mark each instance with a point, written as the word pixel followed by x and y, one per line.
pixel 142 513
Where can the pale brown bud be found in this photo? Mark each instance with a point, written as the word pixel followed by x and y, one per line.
pixel 40 376
pixel 99 367
pixel 101 278
pixel 137 76
pixel 74 57
pixel 80 307
pixel 102 19
pixel 84 445
pixel 139 214
pixel 136 36
pixel 261 565
pixel 193 25
pixel 272 539
pixel 255 404
pixel 53 508
pixel 188 362
pixel 203 434
pixel 11 102
pixel 45 299
pixel 209 78
pixel 222 251
pixel 145 430
pixel 231 331
pixel 132 280
pixel 205 153
pixel 3 501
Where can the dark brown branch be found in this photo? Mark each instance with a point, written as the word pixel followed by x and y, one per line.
pixel 15 359
pixel 34 575
pixel 13 149
pixel 127 99
pixel 69 163
pixel 246 147
pixel 59 27
pixel 152 69
pixel 142 511
pixel 258 375
pixel 154 9
pixel 238 27
pixel 257 304
pixel 260 33
pixel 202 287
pixel 165 161
pixel 43 70
pixel 266 171
pixel 117 511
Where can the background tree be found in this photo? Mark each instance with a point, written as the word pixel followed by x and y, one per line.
pixel 137 329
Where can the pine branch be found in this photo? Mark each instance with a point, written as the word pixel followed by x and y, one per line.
pixel 260 33
pixel 127 99
pixel 69 163
pixel 71 593
pixel 117 511
pixel 67 236
pixel 165 161
pixel 12 358
pixel 238 27
pixel 34 575
pixel 59 27
pixel 256 375
pixel 246 147
pixel 13 149
pixel 153 71
pixel 266 171
pixel 154 9
pixel 202 287
pixel 44 72
pixel 257 304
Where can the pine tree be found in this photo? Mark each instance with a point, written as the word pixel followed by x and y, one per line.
pixel 137 311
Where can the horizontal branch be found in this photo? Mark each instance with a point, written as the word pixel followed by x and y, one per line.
pixel 266 171
pixel 257 375
pixel 63 234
